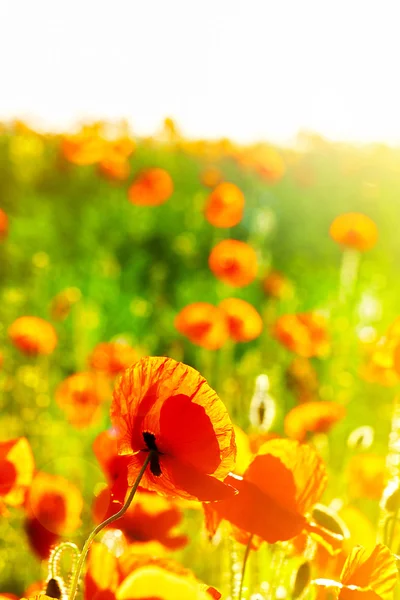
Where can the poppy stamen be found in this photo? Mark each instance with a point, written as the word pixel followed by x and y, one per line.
pixel 150 441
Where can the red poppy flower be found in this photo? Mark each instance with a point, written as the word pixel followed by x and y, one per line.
pixel 233 262
pixel 203 324
pixel 365 575
pixel 33 335
pixel 151 187
pixel 140 577
pixel 244 322
pixel 354 230
pixel 3 224
pixel 80 397
pixel 225 205
pixel 312 417
pixel 16 472
pixel 54 507
pixel 112 357
pixel 302 379
pixel 280 486
pixel 303 333
pixel 168 407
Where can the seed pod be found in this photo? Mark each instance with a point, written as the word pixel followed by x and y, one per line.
pixel 301 579
pixel 262 406
pixel 361 438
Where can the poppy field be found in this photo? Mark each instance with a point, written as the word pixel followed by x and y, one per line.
pixel 199 367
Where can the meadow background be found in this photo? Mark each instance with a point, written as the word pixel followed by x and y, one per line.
pixel 133 268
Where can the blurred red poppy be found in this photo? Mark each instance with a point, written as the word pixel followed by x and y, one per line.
pixel 354 230
pixel 150 517
pixel 16 472
pixel 112 357
pixel 54 507
pixel 166 407
pixel 225 205
pixel 203 324
pixel 80 397
pixel 33 335
pixel 3 224
pixel 151 187
pixel 277 286
pixel 233 262
pixel 312 417
pixel 303 333
pixel 244 322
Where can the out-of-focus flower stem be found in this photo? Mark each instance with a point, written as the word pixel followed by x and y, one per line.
pixel 96 530
pixel 245 559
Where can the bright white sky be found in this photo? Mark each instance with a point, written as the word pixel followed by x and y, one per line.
pixel 247 69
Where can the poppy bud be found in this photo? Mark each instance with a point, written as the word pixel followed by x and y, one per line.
pixel 301 579
pixel 392 503
pixel 329 520
pixel 361 438
pixel 262 406
pixel 53 588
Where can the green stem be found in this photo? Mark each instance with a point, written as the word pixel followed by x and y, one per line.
pixel 56 554
pixel 96 530
pixel 245 558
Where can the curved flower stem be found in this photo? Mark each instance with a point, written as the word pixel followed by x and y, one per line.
pixel 56 554
pixel 245 558
pixel 96 530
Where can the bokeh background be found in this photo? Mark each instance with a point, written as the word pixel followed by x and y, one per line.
pixel 297 105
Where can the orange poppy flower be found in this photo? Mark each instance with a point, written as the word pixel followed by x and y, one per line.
pixel 84 148
pixel 150 517
pixel 114 166
pixel 244 322
pixel 233 262
pixel 354 230
pixel 366 475
pixel 61 304
pixel 80 397
pixel 372 575
pixel 54 507
pixel 280 486
pixel 16 472
pixel 225 205
pixel 304 333
pixel 266 161
pixel 211 176
pixel 5 596
pixel 156 404
pixel 3 224
pixel 151 187
pixel 312 417
pixel 33 335
pixel 112 357
pixel 277 286
pixel 203 324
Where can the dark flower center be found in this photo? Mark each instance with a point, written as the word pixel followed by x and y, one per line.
pixel 150 441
